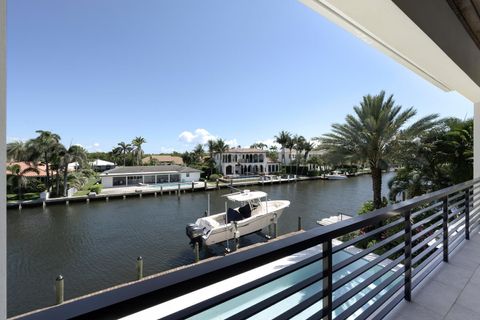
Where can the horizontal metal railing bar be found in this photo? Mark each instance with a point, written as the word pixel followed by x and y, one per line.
pixel 476 219
pixel 262 305
pixel 461 211
pixel 300 306
pixel 456 241
pixel 425 241
pixel 425 252
pixel 318 315
pixel 473 228
pixel 456 224
pixel 342 264
pixel 456 204
pixel 428 219
pixel 371 309
pixel 229 294
pixel 419 212
pixel 458 195
pixel 427 230
pixel 343 281
pixel 475 210
pixel 371 294
pixel 384 310
pixel 367 235
pixel 125 299
pixel 351 293
pixel 427 266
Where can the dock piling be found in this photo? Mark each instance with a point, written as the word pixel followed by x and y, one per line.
pixel 59 289
pixel 193 186
pixel 88 200
pixel 67 203
pixel 139 268
pixel 217 184
pixel 205 182
pixel 106 199
pixel 124 197
pixel 197 252
pixel 299 223
pixel 275 225
pixel 178 192
pixel 161 190
pixel 19 206
pixel 44 204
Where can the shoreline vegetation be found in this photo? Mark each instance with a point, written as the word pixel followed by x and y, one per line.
pixel 429 153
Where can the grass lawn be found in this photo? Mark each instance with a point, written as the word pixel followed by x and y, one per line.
pixel 26 196
pixel 86 189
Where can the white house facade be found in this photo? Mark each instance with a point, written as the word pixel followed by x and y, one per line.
pixel 148 175
pixel 245 161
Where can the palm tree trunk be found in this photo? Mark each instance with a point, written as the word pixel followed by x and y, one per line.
pixel 47 167
pixel 65 177
pixel 377 186
pixel 19 189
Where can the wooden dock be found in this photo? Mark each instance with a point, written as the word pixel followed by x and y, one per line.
pixel 333 219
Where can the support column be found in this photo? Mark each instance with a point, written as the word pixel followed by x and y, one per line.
pixel 476 139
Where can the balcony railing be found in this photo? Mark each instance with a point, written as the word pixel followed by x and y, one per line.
pixel 408 240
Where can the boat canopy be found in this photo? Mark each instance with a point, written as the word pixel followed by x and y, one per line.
pixel 246 195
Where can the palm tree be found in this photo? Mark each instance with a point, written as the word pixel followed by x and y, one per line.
pixel 16 174
pixel 137 143
pixel 16 151
pixel 221 147
pixel 290 145
pixel 372 134
pixel 74 153
pixel 299 142
pixel 282 139
pixel 211 145
pixel 198 153
pixel 43 148
pixel 123 149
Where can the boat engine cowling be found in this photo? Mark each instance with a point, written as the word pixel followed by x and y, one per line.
pixel 195 233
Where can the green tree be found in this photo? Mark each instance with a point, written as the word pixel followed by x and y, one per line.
pixel 18 177
pixel 138 151
pixel 283 139
pixel 17 151
pixel 123 149
pixel 74 153
pixel 221 147
pixel 373 133
pixel 44 148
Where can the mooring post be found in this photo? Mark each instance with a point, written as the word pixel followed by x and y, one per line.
pixel 193 186
pixel 275 227
pixel 155 194
pixel 59 289
pixel 106 199
pixel 88 200
pixel 178 193
pixel 19 206
pixel 67 203
pixel 44 204
pixel 205 182
pixel 139 268
pixel 236 236
pixel 161 190
pixel 140 195
pixel 124 197
pixel 299 223
pixel 197 252
pixel 217 184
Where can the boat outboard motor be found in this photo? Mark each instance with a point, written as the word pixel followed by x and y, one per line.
pixel 195 233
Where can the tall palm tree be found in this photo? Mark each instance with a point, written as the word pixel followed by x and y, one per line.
pixel 74 153
pixel 137 143
pixel 211 145
pixel 372 134
pixel 124 149
pixel 221 147
pixel 282 139
pixel 16 174
pixel 44 148
pixel 300 142
pixel 198 153
pixel 290 145
pixel 17 151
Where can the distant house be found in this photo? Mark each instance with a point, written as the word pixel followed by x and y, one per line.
pixel 138 175
pixel 245 161
pixel 102 165
pixel 158 160
pixel 42 169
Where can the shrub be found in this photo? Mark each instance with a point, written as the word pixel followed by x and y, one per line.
pixel 97 188
pixel 214 177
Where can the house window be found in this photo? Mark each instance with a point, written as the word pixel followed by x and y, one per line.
pixel 188 175
pixel 174 178
pixel 119 181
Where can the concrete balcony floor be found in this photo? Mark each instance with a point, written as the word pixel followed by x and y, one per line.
pixel 451 292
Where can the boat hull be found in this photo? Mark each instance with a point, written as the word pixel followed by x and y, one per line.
pixel 256 222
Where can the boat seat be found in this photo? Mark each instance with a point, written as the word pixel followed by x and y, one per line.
pixel 233 215
pixel 245 211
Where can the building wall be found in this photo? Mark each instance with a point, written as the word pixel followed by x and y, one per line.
pixel 476 140
pixel 107 182
pixel 192 177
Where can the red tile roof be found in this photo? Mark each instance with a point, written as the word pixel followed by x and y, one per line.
pixel 42 171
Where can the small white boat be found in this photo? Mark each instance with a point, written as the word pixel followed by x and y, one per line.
pixel 251 212
pixel 336 175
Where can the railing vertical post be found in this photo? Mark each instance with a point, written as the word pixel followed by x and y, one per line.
pixel 408 256
pixel 327 280
pixel 467 214
pixel 445 229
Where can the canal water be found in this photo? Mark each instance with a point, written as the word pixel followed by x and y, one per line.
pixel 94 246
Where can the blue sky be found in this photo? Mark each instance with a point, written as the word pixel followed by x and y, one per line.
pixel 178 72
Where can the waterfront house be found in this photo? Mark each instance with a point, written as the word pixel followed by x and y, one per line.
pixel 244 161
pixel 102 165
pixel 162 160
pixel 41 168
pixel 139 175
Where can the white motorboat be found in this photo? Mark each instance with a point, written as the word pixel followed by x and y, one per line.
pixel 336 175
pixel 251 212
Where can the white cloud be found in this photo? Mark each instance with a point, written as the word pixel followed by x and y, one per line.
pixel 269 142
pixel 232 143
pixel 198 136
